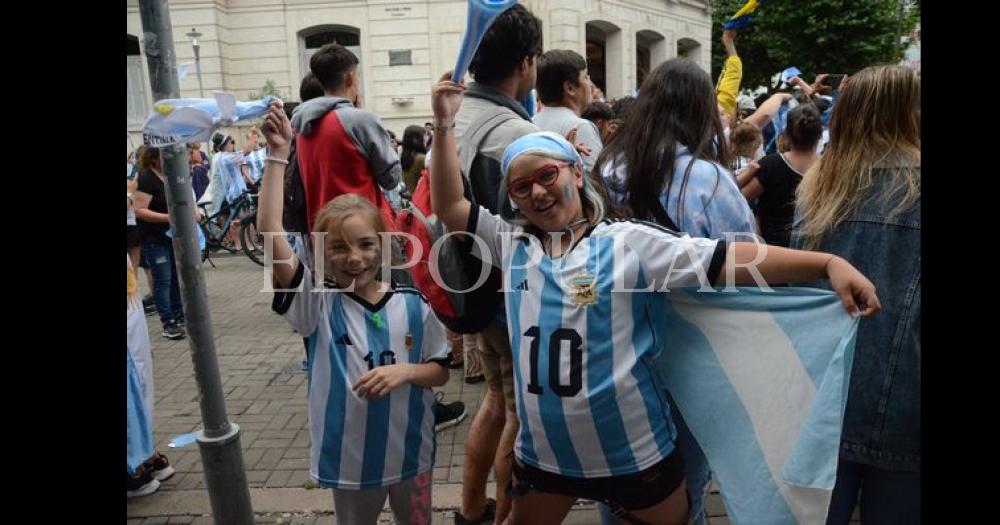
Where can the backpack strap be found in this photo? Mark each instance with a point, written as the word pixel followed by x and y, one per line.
pixel 485 123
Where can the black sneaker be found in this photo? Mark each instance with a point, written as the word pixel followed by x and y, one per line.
pixel 149 305
pixel 142 484
pixel 159 466
pixel 180 322
pixel 489 513
pixel 447 415
pixel 172 331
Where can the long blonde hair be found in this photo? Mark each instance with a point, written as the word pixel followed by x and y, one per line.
pixel 875 124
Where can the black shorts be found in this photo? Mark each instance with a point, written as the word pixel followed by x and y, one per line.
pixel 636 491
pixel 132 238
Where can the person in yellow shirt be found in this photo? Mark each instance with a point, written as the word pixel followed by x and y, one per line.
pixel 728 86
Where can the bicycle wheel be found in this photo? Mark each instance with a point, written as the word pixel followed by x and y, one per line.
pixel 253 241
pixel 208 241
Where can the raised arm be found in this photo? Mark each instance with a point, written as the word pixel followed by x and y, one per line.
pixel 767 110
pixel 447 197
pixel 278 132
pixel 728 86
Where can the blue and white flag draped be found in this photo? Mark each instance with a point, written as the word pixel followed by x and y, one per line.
pixel 183 120
pixel 761 379
pixel 227 168
pixel 139 384
pixel 138 429
pixel 780 119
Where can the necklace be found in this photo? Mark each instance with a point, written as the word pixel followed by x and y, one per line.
pixel 572 235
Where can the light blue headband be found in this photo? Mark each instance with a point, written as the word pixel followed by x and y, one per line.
pixel 547 142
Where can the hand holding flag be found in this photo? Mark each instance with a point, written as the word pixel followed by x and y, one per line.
pixel 742 17
pixel 182 120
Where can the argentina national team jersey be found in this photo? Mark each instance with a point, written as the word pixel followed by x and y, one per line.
pixel 255 163
pixel 589 400
pixel 364 443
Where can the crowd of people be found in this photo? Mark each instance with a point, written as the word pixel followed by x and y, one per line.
pixel 828 176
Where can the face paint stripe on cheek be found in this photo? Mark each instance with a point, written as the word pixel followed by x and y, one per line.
pixel 568 191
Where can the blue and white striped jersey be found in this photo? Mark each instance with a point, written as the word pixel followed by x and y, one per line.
pixel 364 443
pixel 255 163
pixel 589 400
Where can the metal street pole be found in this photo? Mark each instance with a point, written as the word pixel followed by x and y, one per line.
pixel 219 442
pixel 193 35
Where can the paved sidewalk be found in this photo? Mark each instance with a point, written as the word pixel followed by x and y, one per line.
pixel 260 359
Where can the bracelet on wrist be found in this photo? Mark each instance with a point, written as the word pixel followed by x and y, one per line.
pixel 277 160
pixel 443 128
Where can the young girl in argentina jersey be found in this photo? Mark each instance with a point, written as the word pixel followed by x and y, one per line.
pixel 374 353
pixel 594 421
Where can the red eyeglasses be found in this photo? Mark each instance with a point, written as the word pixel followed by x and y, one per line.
pixel 545 176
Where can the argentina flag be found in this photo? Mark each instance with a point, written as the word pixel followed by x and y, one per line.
pixel 138 428
pixel 230 174
pixel 761 379
pixel 180 120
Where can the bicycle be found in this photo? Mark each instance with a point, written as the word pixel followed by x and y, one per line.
pixel 253 240
pixel 244 210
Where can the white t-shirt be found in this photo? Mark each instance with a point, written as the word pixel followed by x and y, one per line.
pixel 561 120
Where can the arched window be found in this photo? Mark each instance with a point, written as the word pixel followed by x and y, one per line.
pixel 604 57
pixel 313 38
pixel 650 51
pixel 690 49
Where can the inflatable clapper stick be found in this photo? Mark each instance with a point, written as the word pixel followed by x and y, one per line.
pixel 481 15
pixel 182 120
pixel 529 103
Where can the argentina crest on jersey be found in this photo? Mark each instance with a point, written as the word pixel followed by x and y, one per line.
pixel 583 289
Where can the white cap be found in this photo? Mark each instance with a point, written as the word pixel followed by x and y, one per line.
pixel 745 103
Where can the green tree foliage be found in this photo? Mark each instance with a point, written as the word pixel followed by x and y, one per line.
pixel 816 36
pixel 268 89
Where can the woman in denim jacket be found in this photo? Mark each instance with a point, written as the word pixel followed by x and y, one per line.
pixel 861 201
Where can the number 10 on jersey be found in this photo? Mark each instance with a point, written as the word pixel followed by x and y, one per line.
pixel 387 357
pixel 554 359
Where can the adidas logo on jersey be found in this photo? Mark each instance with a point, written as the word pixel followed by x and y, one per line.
pixel 343 340
pixel 523 286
